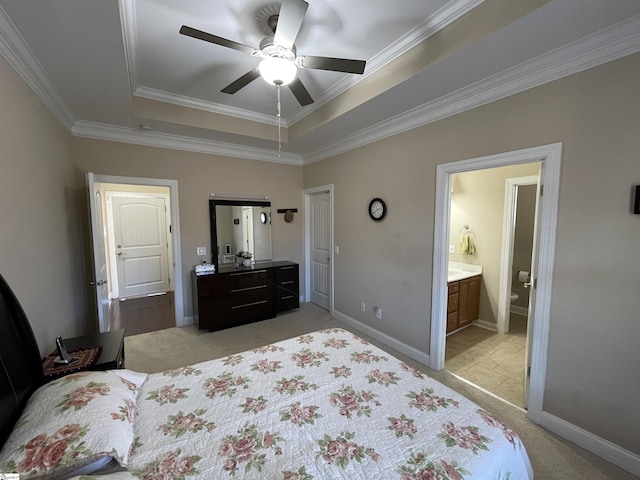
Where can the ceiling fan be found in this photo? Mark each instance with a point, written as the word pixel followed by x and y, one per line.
pixel 280 61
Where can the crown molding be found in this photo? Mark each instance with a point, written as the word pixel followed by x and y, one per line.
pixel 190 102
pixel 432 25
pixel 115 133
pixel 129 35
pixel 599 48
pixel 18 54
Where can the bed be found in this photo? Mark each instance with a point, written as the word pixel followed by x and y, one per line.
pixel 324 405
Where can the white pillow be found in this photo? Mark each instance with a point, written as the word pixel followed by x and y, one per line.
pixel 73 422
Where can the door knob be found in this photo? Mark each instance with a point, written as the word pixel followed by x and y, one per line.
pixel 119 253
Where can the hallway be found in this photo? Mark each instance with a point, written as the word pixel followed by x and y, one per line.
pixel 143 314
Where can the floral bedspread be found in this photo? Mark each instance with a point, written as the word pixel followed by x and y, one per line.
pixel 325 405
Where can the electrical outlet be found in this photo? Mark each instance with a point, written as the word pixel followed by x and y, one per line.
pixel 363 307
pixel 452 248
pixel 337 249
pixel 378 311
pixel 201 250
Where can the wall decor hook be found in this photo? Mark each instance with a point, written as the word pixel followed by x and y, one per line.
pixel 288 213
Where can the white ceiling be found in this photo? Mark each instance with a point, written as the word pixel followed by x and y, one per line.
pixel 105 67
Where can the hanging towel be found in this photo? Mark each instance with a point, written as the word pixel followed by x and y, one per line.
pixel 465 247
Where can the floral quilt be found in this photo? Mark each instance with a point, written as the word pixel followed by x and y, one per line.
pixel 326 405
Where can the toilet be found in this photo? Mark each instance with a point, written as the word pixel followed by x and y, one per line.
pixel 514 297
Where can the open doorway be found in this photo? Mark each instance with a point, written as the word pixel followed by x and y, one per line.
pixel 138 222
pixel 540 304
pixel 136 245
pixel 497 205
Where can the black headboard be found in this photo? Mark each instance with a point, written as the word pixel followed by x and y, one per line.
pixel 20 364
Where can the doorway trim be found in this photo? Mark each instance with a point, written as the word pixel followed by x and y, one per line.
pixel 175 231
pixel 551 156
pixel 308 192
pixel 508 240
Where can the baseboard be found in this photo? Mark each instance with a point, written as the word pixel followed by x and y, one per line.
pixel 192 320
pixel 484 324
pixel 402 347
pixel 519 310
pixel 599 446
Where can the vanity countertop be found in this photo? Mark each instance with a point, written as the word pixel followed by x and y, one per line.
pixel 460 271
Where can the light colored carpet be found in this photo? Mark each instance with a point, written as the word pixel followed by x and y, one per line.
pixel 551 456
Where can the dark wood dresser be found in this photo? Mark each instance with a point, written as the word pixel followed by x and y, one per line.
pixel 238 295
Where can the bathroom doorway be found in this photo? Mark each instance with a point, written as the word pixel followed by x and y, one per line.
pixel 550 157
pixel 483 352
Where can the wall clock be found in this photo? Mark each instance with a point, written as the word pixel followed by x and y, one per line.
pixel 377 209
pixel 263 217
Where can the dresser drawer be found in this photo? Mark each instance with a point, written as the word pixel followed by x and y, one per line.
pixel 287 275
pixel 286 299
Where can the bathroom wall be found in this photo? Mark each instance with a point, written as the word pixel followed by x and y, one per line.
pixel 523 241
pixel 477 200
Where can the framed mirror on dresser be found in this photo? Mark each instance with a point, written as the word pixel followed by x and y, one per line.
pixel 238 293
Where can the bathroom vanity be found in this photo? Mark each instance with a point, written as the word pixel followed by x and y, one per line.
pixel 464 295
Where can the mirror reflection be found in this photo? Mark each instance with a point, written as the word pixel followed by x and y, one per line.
pixel 240 226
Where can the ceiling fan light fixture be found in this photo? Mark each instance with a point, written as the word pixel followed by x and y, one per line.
pixel 278 71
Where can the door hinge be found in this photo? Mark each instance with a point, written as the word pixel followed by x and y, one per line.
pixel 170 229
pixel 528 371
pixel 535 283
pixel 541 190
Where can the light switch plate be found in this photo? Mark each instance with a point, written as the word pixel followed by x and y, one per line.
pixel 201 250
pixel 452 248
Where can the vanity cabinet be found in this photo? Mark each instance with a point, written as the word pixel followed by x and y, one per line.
pixel 238 295
pixel 463 302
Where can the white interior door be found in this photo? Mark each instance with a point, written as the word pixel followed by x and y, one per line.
pixel 532 291
pixel 99 282
pixel 320 236
pixel 140 237
pixel 247 230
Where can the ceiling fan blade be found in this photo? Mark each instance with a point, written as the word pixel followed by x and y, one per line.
pixel 289 22
pixel 300 92
pixel 209 37
pixel 334 64
pixel 243 81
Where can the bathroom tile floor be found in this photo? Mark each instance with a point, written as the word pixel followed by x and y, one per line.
pixel 490 360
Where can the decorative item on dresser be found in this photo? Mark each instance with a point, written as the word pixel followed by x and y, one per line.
pixel 239 295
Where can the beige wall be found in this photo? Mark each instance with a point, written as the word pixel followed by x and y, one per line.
pixel 593 353
pixel 40 243
pixel 198 176
pixel 477 200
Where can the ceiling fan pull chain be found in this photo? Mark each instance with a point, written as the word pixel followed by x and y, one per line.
pixel 278 117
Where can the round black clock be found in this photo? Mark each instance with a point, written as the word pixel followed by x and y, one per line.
pixel 377 209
